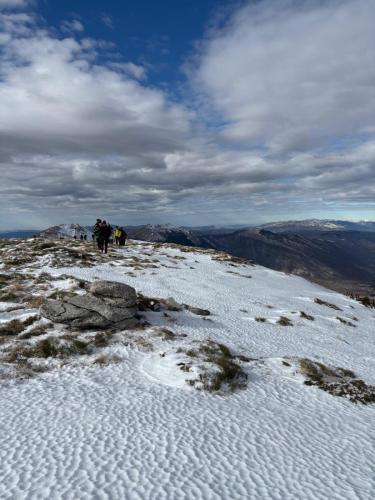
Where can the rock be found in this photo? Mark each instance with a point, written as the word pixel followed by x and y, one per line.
pixel 197 310
pixel 102 307
pixel 110 307
pixel 115 291
pixel 172 305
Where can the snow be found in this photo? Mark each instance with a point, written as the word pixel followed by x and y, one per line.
pixel 137 430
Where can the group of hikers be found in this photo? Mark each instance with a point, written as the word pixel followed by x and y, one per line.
pixel 102 235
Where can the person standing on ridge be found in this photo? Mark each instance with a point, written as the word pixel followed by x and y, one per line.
pixel 97 233
pixel 117 235
pixel 123 237
pixel 105 235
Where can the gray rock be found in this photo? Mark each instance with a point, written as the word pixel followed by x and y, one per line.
pixel 95 311
pixel 58 311
pixel 102 307
pixel 113 290
pixel 172 305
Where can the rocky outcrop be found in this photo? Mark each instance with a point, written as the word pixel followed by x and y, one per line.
pixel 107 305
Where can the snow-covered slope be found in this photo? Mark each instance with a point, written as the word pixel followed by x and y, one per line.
pixel 135 429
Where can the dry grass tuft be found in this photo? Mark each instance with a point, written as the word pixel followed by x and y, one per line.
pixel 306 316
pixel 284 321
pixel 223 374
pixel 107 359
pixel 345 321
pixel 322 302
pixel 337 381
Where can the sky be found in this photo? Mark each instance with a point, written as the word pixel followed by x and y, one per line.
pixel 190 112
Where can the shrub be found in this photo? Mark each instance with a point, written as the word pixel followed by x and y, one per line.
pixel 306 316
pixel 328 304
pixel 284 321
pixel 337 381
pixel 345 321
pixel 16 326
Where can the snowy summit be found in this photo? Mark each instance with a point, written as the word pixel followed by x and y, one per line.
pixel 160 371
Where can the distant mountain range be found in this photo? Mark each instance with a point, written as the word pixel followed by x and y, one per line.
pixel 25 233
pixel 316 225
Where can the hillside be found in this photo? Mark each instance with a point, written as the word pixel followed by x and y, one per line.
pixel 342 260
pixel 237 381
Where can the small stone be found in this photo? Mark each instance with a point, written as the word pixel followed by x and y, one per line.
pixel 172 305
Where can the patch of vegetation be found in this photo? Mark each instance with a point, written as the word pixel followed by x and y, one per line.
pixel 143 343
pixel 322 302
pixel 222 373
pixel 345 321
pixel 306 316
pixel 34 301
pixel 101 339
pixel 107 359
pixel 166 334
pixel 185 367
pixel 16 326
pixel 231 259
pixel 191 353
pixel 337 381
pixel 34 332
pixel 49 347
pixel 284 321
pixel 4 279
pixel 6 296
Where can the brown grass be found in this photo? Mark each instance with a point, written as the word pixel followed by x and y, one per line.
pixel 306 316
pixel 284 321
pixel 337 381
pixel 322 302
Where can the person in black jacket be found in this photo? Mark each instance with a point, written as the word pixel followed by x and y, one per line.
pixel 105 235
pixel 123 237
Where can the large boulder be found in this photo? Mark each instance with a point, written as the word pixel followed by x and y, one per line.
pixel 116 292
pixel 111 307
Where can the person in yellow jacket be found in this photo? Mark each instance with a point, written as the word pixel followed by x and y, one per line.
pixel 117 234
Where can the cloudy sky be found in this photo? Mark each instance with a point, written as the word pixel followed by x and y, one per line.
pixel 190 112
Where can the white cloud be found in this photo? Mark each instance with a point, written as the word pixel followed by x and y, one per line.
pixel 292 74
pixel 107 20
pixel 13 3
pixel 71 26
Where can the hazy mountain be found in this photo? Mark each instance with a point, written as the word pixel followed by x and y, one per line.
pixel 314 225
pixel 165 233
pixel 25 233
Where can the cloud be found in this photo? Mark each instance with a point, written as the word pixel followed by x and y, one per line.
pixel 107 20
pixel 292 74
pixel 82 134
pixel 71 26
pixel 13 3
